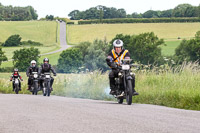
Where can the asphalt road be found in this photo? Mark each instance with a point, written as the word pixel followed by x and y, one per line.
pixel 38 114
pixel 63 42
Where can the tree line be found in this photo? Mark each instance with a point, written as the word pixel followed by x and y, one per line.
pixel 103 12
pixel 10 13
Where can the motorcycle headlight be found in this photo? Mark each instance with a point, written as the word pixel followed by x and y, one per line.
pixel 35 75
pixel 119 74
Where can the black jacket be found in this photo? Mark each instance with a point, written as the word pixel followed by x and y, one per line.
pixel 31 69
pixel 46 68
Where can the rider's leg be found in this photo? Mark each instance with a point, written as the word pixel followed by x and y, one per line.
pixel 51 83
pixel 20 86
pixel 112 81
pixel 133 86
pixel 13 85
pixel 29 84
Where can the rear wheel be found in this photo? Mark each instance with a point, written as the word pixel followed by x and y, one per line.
pixel 129 93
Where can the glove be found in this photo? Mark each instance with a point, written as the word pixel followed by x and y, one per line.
pixel 11 80
pixel 54 74
pixel 21 79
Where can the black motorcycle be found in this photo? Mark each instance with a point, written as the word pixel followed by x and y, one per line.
pixel 46 84
pixel 35 83
pixel 16 85
pixel 125 82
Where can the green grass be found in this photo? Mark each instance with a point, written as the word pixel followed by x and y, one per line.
pixel 39 31
pixel 167 88
pixel 170 47
pixel 53 58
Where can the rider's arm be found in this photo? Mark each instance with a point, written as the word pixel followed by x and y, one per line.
pixel 28 71
pixel 127 56
pixel 11 77
pixel 53 70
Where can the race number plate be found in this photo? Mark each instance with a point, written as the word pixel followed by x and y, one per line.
pixel 16 81
pixel 48 76
pixel 125 67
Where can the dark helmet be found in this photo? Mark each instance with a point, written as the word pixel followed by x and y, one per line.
pixel 46 60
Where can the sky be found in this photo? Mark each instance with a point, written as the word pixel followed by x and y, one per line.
pixel 62 8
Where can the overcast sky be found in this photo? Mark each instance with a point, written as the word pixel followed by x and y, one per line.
pixel 62 8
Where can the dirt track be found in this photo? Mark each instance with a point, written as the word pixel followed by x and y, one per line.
pixel 38 114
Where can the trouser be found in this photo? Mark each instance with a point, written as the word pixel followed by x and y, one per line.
pixel 51 82
pixel 114 74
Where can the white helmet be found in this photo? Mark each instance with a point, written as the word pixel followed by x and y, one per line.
pixel 33 62
pixel 118 43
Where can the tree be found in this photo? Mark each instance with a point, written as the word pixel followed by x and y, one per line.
pixel 188 50
pixel 151 14
pixel 2 56
pixel 97 52
pixel 144 48
pixel 70 60
pixel 23 57
pixel 74 15
pixel 166 13
pixel 180 10
pixel 49 17
pixel 13 40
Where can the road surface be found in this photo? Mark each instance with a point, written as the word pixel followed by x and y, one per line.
pixel 38 114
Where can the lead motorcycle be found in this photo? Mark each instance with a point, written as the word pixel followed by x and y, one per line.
pixel 125 82
pixel 35 83
pixel 46 84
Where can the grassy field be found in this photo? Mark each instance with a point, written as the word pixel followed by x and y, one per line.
pixel 167 31
pixel 179 90
pixel 170 47
pixel 39 31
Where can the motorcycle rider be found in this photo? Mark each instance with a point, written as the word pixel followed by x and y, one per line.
pixel 113 59
pixel 46 67
pixel 16 75
pixel 32 68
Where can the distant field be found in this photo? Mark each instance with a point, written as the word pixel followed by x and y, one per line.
pixel 40 31
pixel 167 31
pixel 170 48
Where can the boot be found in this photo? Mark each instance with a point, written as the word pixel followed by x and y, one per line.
pixel 29 87
pixel 112 86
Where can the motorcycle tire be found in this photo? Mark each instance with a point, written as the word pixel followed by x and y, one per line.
pixel 129 92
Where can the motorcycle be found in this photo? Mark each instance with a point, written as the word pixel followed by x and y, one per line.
pixel 46 84
pixel 35 83
pixel 125 82
pixel 16 85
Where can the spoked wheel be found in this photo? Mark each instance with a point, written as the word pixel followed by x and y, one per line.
pixel 129 93
pixel 48 89
pixel 35 88
pixel 16 89
pixel 120 100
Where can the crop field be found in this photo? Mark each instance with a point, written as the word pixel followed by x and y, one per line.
pixel 167 31
pixel 39 31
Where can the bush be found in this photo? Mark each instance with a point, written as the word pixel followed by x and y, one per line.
pixel 23 57
pixel 144 48
pixel 140 20
pixel 31 43
pixel 70 22
pixel 188 50
pixel 2 56
pixel 13 40
pixel 70 60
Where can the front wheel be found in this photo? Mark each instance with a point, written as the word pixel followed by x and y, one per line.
pixel 129 92
pixel 48 89
pixel 16 88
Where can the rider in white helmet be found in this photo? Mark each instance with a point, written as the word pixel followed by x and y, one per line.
pixel 32 68
pixel 114 58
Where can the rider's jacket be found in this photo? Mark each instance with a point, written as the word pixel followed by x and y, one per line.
pixel 46 68
pixel 31 69
pixel 17 75
pixel 118 57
